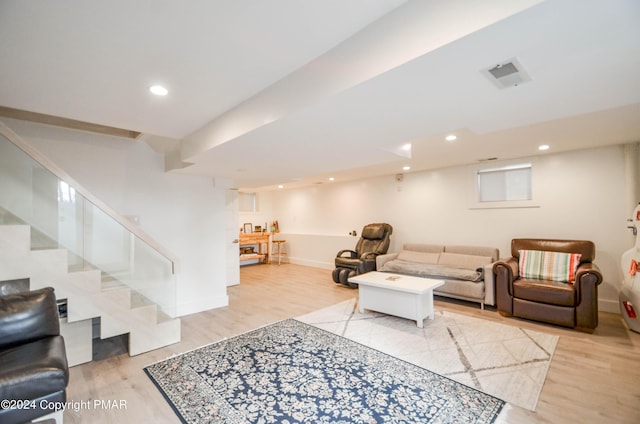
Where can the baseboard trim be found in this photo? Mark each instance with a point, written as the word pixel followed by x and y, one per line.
pixel 311 263
pixel 608 305
pixel 200 305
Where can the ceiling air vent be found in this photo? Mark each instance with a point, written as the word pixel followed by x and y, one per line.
pixel 507 74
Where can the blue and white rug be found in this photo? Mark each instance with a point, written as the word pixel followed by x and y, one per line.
pixel 292 372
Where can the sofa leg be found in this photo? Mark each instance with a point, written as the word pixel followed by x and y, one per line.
pixel 505 314
pixel 482 306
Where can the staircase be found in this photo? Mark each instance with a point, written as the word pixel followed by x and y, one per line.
pixel 109 269
pixel 121 309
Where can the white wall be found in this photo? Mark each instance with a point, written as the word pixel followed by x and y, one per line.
pixel 183 213
pixel 580 195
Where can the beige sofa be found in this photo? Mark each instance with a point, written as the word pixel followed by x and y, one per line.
pixel 466 270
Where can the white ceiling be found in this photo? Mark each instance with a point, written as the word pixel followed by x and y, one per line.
pixel 293 92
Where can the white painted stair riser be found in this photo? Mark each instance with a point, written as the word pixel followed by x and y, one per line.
pixel 86 298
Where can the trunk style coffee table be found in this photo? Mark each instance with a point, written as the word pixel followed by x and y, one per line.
pixel 403 296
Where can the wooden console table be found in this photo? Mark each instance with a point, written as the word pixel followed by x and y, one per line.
pixel 258 239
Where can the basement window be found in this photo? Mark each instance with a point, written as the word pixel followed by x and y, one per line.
pixel 247 202
pixel 504 187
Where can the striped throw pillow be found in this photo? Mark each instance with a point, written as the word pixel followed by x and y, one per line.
pixel 556 266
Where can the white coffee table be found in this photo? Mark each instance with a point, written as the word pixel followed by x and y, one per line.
pixel 399 295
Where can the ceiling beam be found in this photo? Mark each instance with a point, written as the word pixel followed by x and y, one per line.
pixel 57 121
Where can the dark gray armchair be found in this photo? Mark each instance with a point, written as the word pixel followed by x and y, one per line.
pixel 374 241
pixel 33 362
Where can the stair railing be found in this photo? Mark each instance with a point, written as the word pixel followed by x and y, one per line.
pixel 63 214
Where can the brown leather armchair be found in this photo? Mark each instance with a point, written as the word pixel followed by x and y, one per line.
pixel 374 241
pixel 565 304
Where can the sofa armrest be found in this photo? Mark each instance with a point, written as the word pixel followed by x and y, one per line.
pixel 489 285
pixel 28 316
pixel 588 277
pixel 351 253
pixel 383 259
pixel 506 272
pixel 508 268
pixel 589 271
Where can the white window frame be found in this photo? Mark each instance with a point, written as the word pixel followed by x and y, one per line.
pixel 505 168
pixel 247 202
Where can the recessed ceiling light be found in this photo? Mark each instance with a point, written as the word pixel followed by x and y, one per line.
pixel 406 147
pixel 280 186
pixel 331 179
pixel 158 90
pixel 451 137
pixel 543 147
pixel 406 168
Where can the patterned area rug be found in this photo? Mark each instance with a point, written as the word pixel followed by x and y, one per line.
pixel 505 361
pixel 291 372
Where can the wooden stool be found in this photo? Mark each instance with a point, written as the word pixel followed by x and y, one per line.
pixel 278 244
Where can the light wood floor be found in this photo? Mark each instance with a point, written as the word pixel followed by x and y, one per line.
pixel 593 378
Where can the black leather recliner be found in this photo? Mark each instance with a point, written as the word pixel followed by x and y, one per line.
pixel 33 360
pixel 374 241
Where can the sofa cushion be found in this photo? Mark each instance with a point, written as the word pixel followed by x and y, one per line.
pixel 545 292
pixel 351 263
pixel 34 369
pixel 421 247
pixel 419 257
pixel 431 270
pixel 543 265
pixel 463 261
pixel 27 316
pixel 492 252
pixel 461 289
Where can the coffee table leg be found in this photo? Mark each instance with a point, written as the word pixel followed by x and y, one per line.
pixel 424 308
pixel 429 304
pixel 420 311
